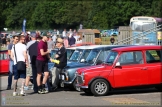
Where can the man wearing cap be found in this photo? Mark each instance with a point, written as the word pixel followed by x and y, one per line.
pixel 31 70
pixel 60 62
pixel 42 64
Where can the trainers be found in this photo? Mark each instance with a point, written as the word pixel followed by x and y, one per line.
pixel 44 91
pixel 22 93
pixel 26 88
pixel 15 94
pixel 32 87
pixel 40 91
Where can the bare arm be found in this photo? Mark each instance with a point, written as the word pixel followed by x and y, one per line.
pixel 43 53
pixel 9 52
pixel 26 57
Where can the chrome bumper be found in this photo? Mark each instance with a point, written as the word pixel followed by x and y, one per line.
pixel 79 87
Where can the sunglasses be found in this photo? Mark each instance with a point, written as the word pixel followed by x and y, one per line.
pixel 58 42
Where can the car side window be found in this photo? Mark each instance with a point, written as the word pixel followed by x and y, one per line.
pixel 1 56
pixel 153 56
pixel 5 56
pixel 127 58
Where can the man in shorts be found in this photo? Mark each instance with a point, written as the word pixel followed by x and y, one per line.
pixel 42 64
pixel 32 50
pixel 19 53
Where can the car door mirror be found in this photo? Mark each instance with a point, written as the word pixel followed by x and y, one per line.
pixel 117 64
pixel 82 60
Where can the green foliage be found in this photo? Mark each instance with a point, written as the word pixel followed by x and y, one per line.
pixel 100 14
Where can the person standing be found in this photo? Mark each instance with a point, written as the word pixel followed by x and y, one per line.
pixel 61 58
pixel 32 50
pixel 50 43
pixel 112 40
pixel 19 55
pixel 71 40
pixel 42 64
pixel 64 33
pixel 11 62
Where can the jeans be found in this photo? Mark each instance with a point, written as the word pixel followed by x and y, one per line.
pixel 34 73
pixel 11 63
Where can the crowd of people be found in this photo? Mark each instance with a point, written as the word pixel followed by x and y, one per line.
pixel 70 37
pixel 29 54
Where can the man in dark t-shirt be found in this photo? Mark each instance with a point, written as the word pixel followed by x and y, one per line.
pixel 11 63
pixel 32 50
pixel 42 64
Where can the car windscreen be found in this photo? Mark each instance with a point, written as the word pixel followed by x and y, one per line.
pixel 92 56
pixel 52 54
pixel 76 55
pixel 69 53
pixel 111 57
pixel 85 55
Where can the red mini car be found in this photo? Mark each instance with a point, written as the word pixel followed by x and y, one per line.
pixel 131 67
pixel 4 61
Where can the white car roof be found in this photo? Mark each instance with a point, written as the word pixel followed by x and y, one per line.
pixel 72 48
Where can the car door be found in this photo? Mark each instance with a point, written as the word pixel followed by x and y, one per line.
pixel 154 65
pixel 131 71
pixel 4 64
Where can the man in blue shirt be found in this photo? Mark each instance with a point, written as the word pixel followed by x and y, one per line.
pixel 11 63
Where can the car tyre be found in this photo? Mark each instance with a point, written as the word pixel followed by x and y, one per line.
pixel 159 88
pixel 99 87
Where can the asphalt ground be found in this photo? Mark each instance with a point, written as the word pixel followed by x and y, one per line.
pixel 67 97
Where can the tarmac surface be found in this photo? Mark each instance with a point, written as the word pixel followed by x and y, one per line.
pixel 67 97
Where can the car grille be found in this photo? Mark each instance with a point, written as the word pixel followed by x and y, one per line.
pixel 79 79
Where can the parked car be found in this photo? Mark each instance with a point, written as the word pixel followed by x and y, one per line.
pixel 4 62
pixel 91 55
pixel 134 66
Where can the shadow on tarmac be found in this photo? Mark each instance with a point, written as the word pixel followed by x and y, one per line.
pixel 126 91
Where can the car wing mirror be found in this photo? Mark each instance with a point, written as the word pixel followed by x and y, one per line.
pixel 82 60
pixel 118 64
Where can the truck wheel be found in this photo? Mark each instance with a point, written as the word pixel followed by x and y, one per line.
pixel 100 87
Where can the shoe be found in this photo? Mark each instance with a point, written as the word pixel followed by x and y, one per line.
pixel 15 94
pixel 26 88
pixel 32 87
pixel 8 88
pixel 22 93
pixel 40 91
pixel 44 91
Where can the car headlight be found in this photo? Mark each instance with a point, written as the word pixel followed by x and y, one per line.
pixel 66 75
pixel 82 75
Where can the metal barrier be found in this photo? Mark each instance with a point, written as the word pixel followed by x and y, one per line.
pixel 141 35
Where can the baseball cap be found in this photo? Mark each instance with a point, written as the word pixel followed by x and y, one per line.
pixel 33 35
pixel 28 33
pixel 45 34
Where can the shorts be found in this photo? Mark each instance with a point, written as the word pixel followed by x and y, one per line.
pixel 42 66
pixel 29 71
pixel 18 74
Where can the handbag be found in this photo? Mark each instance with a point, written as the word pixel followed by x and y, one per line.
pixel 21 66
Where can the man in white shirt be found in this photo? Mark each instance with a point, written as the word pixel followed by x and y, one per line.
pixel 19 53
pixel 64 33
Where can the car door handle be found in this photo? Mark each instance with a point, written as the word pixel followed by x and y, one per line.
pixel 145 68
